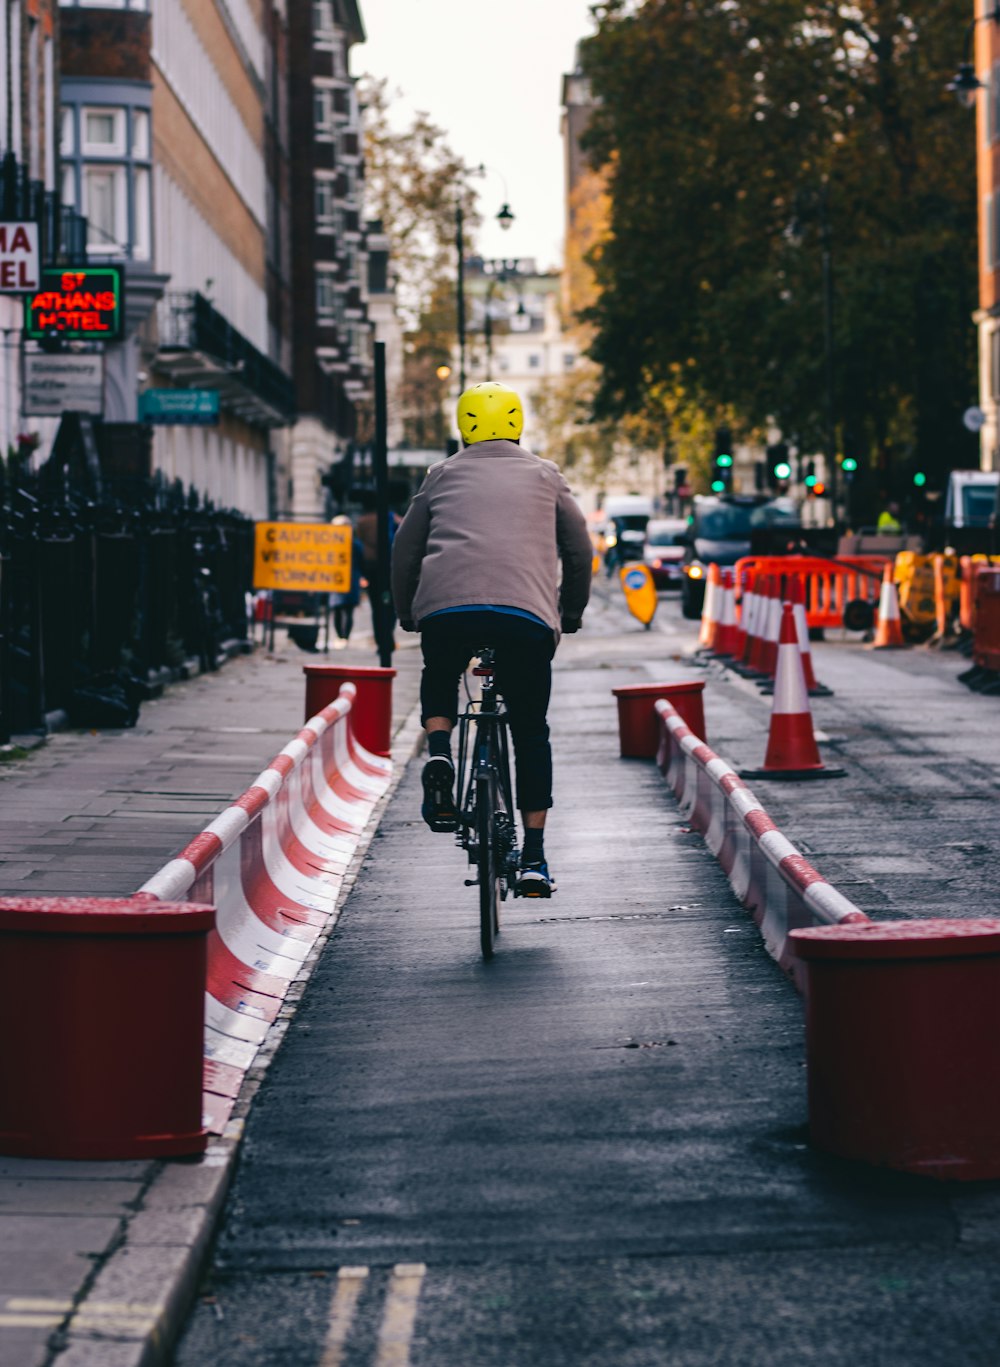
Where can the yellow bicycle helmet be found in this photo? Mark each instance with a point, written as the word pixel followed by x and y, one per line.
pixel 488 412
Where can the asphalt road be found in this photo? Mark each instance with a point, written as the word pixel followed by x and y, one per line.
pixel 593 1150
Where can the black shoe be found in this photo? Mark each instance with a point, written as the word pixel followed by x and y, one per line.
pixel 534 880
pixel 438 808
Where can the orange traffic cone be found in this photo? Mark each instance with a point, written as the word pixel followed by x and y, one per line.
pixel 814 688
pixel 755 660
pixel 889 627
pixel 772 632
pixel 792 752
pixel 710 610
pixel 727 635
pixel 753 601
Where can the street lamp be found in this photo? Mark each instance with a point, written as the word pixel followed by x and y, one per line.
pixel 965 82
pixel 505 218
pixel 820 202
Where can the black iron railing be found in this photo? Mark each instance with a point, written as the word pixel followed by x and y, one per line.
pixel 188 321
pixel 99 596
pixel 62 232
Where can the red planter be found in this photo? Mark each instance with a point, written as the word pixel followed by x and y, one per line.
pixel 102 1021
pixel 638 733
pixel 372 708
pixel 903 1043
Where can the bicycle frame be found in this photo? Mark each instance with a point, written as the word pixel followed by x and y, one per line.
pixel 486 798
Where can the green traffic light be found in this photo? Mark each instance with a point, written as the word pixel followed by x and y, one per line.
pixel 920 479
pixel 810 481
pixel 724 461
pixel 718 486
pixel 850 465
pixel 782 470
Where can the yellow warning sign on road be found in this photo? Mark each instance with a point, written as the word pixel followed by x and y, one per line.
pixel 640 592
pixel 304 557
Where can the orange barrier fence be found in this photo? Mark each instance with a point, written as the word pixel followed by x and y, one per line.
pixel 986 642
pixel 827 585
pixel 970 566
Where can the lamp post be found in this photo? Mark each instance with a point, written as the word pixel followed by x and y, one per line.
pixel 965 82
pixel 505 218
pixel 819 202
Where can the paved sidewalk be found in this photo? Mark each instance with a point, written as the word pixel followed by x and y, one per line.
pixel 97 813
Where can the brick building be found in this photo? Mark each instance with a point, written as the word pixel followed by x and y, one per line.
pixel 333 332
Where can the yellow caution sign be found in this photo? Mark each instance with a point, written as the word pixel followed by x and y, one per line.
pixel 304 557
pixel 640 592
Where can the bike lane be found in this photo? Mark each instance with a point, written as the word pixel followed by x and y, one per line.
pixel 590 1151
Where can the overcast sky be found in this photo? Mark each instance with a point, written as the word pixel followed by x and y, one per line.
pixel 489 72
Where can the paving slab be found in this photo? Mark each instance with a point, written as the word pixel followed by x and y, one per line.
pixel 97 813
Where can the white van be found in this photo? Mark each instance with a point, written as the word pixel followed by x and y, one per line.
pixel 625 518
pixel 971 498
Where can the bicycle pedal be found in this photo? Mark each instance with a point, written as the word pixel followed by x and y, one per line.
pixel 472 882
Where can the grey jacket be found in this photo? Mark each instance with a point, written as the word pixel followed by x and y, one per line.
pixel 491 526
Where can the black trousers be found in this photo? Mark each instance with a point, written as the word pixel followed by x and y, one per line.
pixel 524 651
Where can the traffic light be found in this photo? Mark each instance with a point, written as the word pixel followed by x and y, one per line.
pixel 810 479
pixel 722 464
pixel 778 463
pixel 919 479
pixel 849 467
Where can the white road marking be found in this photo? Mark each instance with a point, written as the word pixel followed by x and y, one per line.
pixel 396 1330
pixel 350 1284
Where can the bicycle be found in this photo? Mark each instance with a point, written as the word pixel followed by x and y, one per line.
pixel 486 829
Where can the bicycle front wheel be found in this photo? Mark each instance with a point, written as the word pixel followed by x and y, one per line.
pixel 489 868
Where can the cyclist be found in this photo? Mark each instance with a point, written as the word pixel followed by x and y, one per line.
pixel 476 562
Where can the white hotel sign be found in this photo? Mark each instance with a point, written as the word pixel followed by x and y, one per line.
pixel 19 261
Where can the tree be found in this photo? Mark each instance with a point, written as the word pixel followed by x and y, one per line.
pixel 412 184
pixel 723 126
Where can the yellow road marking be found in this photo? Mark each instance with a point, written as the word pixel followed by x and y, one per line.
pixel 38 1321
pixel 396 1331
pixel 127 1309
pixel 350 1284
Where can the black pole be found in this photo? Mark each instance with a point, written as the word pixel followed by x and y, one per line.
pixel 380 460
pixel 460 295
pixel 831 432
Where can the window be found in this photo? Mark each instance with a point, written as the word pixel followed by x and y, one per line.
pixel 326 293
pixel 569 360
pixel 140 134
pixel 323 110
pixel 323 18
pixel 106 173
pixel 103 132
pixel 325 210
pixel 67 131
pixel 534 361
pixel 105 206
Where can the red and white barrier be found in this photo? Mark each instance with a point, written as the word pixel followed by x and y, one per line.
pixel 766 872
pixel 273 864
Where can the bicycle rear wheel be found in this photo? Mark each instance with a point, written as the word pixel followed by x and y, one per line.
pixel 489 868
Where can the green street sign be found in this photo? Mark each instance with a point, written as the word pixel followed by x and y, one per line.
pixel 179 407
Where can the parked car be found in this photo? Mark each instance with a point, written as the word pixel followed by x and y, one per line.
pixel 663 550
pixel 724 529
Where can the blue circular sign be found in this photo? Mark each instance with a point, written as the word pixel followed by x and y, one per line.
pixel 636 579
